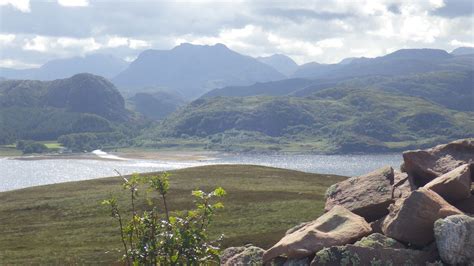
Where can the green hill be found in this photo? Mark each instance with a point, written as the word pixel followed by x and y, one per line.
pixel 452 89
pixel 329 120
pixel 45 110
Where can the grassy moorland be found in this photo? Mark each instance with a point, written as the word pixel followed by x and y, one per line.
pixel 65 223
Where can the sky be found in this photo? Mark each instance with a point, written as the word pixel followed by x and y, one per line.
pixel 33 32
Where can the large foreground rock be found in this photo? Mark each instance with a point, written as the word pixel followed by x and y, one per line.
pixel 357 255
pixel 455 239
pixel 425 165
pixel 454 185
pixel 368 195
pixel 403 185
pixel 339 226
pixel 247 255
pixel 411 219
pixel 466 205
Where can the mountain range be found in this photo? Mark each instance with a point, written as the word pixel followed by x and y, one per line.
pixel 99 64
pixel 406 99
pixel 194 69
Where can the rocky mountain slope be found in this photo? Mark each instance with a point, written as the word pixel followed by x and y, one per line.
pixel 420 215
pixel 280 62
pixel 194 69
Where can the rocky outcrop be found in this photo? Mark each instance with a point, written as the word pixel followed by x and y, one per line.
pixel 425 165
pixel 368 195
pixel 453 186
pixel 247 255
pixel 295 228
pixel 377 225
pixel 403 185
pixel 466 205
pixel 455 239
pixel 411 220
pixel 339 226
pixel 357 255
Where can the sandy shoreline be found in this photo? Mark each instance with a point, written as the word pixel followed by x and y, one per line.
pixel 126 155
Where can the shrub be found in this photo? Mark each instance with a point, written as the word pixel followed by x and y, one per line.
pixel 31 147
pixel 160 237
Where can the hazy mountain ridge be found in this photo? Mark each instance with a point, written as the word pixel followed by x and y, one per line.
pixel 194 69
pixel 401 62
pixel 463 51
pixel 452 89
pixel 280 62
pixel 97 64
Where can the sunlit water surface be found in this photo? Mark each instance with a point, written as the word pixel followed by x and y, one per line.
pixel 15 174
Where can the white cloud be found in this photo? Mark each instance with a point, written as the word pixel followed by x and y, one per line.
pixel 115 41
pixel 22 5
pixel 73 3
pixel 11 63
pixel 38 43
pixel 457 43
pixel 138 44
pixel 86 44
pixel 6 39
pixel 324 31
pixel 53 44
pixel 331 43
pixel 135 44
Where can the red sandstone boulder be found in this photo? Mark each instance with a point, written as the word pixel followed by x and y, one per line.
pixel 403 185
pixel 425 165
pixel 466 205
pixel 339 226
pixel 454 185
pixel 411 219
pixel 368 195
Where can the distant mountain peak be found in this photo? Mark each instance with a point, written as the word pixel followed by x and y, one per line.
pixel 100 64
pixel 424 53
pixel 280 62
pixel 463 51
pixel 194 69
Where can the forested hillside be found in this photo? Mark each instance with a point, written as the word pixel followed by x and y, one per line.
pixel 40 110
pixel 329 120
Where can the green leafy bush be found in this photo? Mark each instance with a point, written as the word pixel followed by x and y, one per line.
pixel 31 147
pixel 159 237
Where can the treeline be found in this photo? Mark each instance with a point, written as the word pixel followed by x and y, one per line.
pixel 79 142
